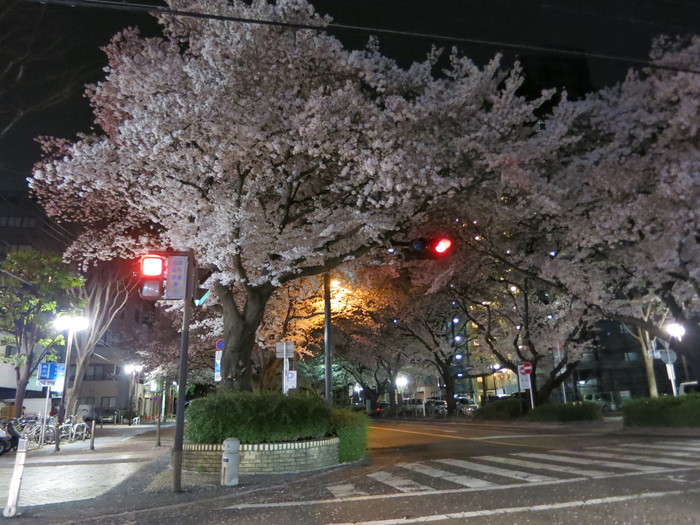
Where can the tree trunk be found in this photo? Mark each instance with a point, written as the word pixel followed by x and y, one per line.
pixel 73 393
pixel 22 374
pixel 240 329
pixel 645 341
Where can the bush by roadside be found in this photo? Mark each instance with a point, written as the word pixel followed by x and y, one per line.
pixel 351 429
pixel 566 412
pixel 681 411
pixel 501 410
pixel 257 417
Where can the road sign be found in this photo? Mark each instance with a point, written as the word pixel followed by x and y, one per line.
pixel 176 277
pixel 284 350
pixel 290 379
pixel 220 345
pixel 525 368
pixel 217 365
pixel 667 355
pixel 48 371
pixel 47 374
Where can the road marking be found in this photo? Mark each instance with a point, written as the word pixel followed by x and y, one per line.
pixel 345 491
pixel 545 466
pixel 515 474
pixel 401 484
pixel 629 457
pixel 580 461
pixel 639 449
pixel 518 510
pixel 681 448
pixel 465 481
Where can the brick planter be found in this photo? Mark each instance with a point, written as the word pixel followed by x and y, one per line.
pixel 266 458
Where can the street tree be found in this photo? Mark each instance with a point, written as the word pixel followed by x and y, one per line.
pixel 104 294
pixel 272 152
pixel 34 288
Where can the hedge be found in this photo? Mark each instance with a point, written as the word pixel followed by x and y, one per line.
pixel 351 429
pixel 261 417
pixel 566 412
pixel 683 411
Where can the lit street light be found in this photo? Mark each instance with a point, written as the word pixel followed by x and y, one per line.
pixel 72 324
pixel 676 331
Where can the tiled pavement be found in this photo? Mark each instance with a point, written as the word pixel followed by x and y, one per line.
pixel 76 472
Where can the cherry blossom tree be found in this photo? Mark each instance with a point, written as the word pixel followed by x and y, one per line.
pixel 273 153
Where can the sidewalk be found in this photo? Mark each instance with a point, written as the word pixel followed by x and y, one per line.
pixel 127 473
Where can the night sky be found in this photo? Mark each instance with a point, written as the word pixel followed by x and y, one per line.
pixel 64 44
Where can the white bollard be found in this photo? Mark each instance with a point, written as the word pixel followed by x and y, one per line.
pixel 16 483
pixel 230 458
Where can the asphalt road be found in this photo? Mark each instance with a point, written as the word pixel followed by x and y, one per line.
pixel 450 473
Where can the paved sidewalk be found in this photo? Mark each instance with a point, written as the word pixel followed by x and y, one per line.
pixel 127 473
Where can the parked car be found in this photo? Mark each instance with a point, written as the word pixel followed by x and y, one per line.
pixel 466 407
pixel 412 406
pixel 435 407
pixel 108 415
pixel 605 401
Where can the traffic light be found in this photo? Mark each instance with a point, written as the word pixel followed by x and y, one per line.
pixel 152 275
pixel 434 248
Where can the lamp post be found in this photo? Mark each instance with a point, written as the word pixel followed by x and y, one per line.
pixel 72 324
pixel 134 371
pixel 676 331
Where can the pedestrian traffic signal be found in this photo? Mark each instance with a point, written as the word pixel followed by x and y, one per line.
pixel 434 248
pixel 152 275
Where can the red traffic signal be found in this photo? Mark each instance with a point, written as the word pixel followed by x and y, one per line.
pixel 441 246
pixel 434 248
pixel 152 274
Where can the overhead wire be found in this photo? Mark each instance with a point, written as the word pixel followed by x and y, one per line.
pixel 163 10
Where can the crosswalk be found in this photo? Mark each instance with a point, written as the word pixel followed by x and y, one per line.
pixel 484 472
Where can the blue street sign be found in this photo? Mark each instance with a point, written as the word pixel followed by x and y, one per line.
pixel 48 371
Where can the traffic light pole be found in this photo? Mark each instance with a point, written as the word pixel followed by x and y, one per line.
pixel 182 378
pixel 327 337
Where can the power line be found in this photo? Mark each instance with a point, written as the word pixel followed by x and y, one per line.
pixel 162 10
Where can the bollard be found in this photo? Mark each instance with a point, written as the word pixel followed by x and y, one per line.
pixel 157 431
pixel 16 482
pixel 229 462
pixel 92 436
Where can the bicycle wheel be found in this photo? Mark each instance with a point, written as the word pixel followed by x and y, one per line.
pixel 49 435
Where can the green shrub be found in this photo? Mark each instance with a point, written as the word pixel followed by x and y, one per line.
pixel 566 412
pixel 683 411
pixel 351 429
pixel 502 409
pixel 257 417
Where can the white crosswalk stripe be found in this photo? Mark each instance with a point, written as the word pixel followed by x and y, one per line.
pixel 401 484
pixel 579 461
pixel 346 490
pixel 466 481
pixel 677 448
pixel 487 469
pixel 629 457
pixel 545 466
pixel 481 473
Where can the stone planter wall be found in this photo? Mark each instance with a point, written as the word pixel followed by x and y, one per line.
pixel 266 458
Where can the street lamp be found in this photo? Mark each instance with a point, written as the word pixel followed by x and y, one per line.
pixel 71 324
pixel 134 371
pixel 676 331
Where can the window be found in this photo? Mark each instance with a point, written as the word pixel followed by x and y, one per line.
pixel 99 373
pixel 10 350
pixel 108 402
pixel 86 400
